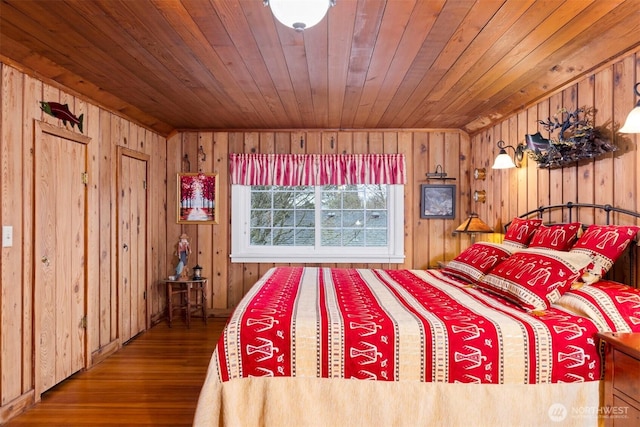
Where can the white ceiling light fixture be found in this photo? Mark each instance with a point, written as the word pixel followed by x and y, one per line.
pixel 299 14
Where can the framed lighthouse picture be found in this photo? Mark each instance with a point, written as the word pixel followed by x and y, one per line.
pixel 197 198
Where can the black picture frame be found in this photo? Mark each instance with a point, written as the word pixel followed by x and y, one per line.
pixel 437 201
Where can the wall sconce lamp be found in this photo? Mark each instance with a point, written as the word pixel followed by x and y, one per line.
pixel 504 161
pixel 473 225
pixel 632 124
pixel 297 14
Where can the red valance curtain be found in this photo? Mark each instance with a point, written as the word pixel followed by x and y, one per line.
pixel 316 169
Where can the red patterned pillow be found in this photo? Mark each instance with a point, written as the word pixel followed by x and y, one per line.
pixel 477 260
pixel 605 243
pixel 614 307
pixel 534 278
pixel 520 231
pixel 559 236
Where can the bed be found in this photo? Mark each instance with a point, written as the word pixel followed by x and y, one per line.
pixel 505 334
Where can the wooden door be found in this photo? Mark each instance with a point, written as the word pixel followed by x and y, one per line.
pixel 60 161
pixel 132 238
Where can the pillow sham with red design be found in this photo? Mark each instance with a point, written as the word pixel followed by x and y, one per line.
pixel 558 236
pixel 520 232
pixel 534 278
pixel 477 260
pixel 614 307
pixel 605 244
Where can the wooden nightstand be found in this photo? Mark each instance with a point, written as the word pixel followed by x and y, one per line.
pixel 186 290
pixel 621 379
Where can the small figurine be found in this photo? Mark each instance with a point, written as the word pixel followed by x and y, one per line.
pixel 183 256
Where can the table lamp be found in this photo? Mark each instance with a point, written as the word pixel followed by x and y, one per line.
pixel 473 225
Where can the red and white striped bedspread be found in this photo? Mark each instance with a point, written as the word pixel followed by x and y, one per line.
pixel 397 325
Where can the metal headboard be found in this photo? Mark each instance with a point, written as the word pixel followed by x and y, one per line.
pixel 571 206
pixel 608 209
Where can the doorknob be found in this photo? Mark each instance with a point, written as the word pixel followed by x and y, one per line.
pixel 45 260
pixel 125 247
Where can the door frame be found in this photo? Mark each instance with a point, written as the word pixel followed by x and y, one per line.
pixel 127 152
pixel 41 128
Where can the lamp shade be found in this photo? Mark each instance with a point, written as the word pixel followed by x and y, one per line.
pixel 632 124
pixel 503 161
pixel 473 224
pixel 299 14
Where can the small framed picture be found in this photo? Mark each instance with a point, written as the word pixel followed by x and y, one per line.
pixel 197 198
pixel 437 201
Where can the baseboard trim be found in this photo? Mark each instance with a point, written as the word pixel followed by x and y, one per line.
pixel 17 406
pixel 104 352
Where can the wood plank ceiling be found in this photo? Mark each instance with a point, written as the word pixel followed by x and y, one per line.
pixel 227 64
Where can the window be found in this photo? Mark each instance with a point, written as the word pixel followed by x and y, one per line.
pixel 353 223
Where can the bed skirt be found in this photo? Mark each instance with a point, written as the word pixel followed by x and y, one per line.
pixel 286 401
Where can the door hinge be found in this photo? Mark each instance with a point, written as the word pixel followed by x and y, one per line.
pixel 144 184
pixel 144 295
pixel 85 178
pixel 83 322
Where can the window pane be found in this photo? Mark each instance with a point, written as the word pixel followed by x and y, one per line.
pixel 305 218
pixel 349 210
pixel 376 237
pixel 376 218
pixel 351 237
pixel 282 216
pixel 331 237
pixel 283 237
pixel 260 217
pixel 350 216
pixel 283 199
pixel 331 218
pixel 305 237
pixel 332 224
pixel 261 236
pixel 260 199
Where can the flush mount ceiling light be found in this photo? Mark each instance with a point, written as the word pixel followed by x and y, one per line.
pixel 299 14
pixel 632 124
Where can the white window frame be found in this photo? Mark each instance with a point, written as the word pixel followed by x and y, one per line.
pixel 242 251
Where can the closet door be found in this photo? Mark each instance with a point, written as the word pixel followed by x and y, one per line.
pixel 132 236
pixel 60 161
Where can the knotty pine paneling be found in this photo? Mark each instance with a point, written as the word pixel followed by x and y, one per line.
pixel 20 95
pixel 426 241
pixel 609 179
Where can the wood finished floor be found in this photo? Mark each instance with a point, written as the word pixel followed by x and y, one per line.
pixel 154 380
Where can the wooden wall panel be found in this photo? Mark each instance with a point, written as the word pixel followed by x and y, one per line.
pixel 11 298
pixel 92 129
pixel 604 164
pixel 609 179
pixel 426 241
pixel 32 88
pixel 20 95
pixel 222 248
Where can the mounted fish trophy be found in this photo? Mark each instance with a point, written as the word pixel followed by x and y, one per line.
pixel 62 112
